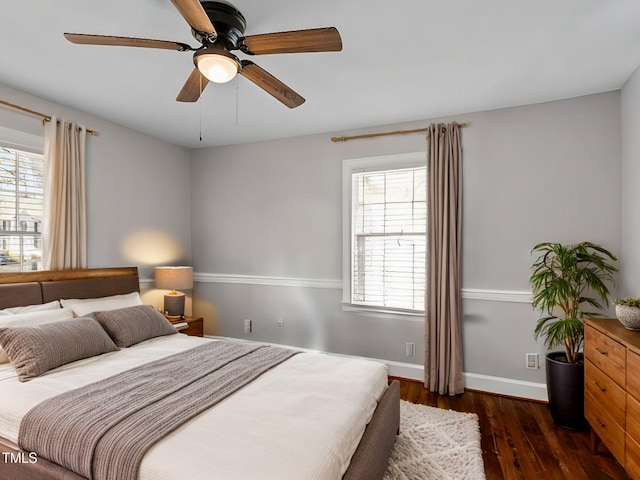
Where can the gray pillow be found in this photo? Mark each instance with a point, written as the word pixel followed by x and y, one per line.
pixel 38 349
pixel 131 325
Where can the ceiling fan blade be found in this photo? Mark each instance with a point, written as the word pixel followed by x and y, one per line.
pixel 270 84
pixel 296 41
pixel 194 14
pixel 193 87
pixel 82 39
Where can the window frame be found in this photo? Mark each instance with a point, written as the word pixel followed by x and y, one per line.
pixel 358 165
pixel 30 144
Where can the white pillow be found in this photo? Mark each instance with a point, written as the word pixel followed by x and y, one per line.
pixel 82 307
pixel 55 305
pixel 31 319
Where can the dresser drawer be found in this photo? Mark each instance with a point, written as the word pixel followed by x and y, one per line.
pixel 632 424
pixel 632 458
pixel 606 354
pixel 605 427
pixel 633 375
pixel 605 391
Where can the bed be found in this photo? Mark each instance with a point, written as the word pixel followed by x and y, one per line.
pixel 308 416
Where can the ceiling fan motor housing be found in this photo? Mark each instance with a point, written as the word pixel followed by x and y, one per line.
pixel 229 23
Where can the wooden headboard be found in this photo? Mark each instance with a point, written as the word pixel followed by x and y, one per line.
pixel 29 288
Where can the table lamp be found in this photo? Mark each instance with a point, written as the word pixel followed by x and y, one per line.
pixel 174 278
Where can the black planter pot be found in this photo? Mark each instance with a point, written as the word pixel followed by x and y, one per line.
pixel 565 387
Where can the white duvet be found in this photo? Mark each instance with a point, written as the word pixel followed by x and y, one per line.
pixel 301 420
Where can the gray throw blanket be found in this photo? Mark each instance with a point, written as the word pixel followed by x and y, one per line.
pixel 101 431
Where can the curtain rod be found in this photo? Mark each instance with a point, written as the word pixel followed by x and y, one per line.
pixel 45 118
pixel 397 132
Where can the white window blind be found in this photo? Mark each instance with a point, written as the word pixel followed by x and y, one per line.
pixel 388 227
pixel 21 209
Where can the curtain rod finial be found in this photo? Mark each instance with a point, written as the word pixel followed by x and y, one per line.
pixel 338 139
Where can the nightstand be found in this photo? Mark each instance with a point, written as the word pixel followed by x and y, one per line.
pixel 195 328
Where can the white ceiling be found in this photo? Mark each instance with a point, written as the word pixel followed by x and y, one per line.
pixel 402 60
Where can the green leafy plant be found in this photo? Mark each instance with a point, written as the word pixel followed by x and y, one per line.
pixel 562 278
pixel 630 302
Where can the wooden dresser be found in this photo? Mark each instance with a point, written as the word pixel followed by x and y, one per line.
pixel 612 390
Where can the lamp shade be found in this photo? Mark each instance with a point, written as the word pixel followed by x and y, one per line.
pixel 174 278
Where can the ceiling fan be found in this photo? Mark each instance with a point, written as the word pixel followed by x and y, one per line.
pixel 219 27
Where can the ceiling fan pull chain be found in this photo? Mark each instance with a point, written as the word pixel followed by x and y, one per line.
pixel 237 97
pixel 200 107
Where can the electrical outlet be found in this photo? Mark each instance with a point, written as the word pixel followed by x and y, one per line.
pixel 410 349
pixel 533 361
pixel 247 326
pixel 280 322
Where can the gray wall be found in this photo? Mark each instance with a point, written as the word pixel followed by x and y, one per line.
pixel 268 213
pixel 137 189
pixel 263 222
pixel 630 113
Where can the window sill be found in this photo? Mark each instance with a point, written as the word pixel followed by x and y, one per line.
pixel 382 312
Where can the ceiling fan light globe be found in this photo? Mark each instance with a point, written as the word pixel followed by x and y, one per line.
pixel 217 68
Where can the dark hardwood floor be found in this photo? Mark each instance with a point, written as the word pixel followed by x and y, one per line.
pixel 520 440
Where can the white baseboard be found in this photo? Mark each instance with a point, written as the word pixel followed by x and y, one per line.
pixel 477 381
pixel 506 386
pixel 473 381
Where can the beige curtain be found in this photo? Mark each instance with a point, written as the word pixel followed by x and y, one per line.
pixel 443 339
pixel 64 223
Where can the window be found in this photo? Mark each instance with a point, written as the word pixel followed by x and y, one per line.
pixel 385 219
pixel 21 208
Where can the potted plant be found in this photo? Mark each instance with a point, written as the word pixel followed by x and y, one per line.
pixel 565 278
pixel 628 312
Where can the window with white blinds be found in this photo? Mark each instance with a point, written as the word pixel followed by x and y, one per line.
pixel 21 209
pixel 388 237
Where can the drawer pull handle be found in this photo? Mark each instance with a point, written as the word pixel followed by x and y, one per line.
pixel 600 422
pixel 602 389
pixel 601 352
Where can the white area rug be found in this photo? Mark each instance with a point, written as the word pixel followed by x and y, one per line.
pixel 436 444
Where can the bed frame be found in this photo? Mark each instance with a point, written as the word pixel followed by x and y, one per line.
pixel 16 289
